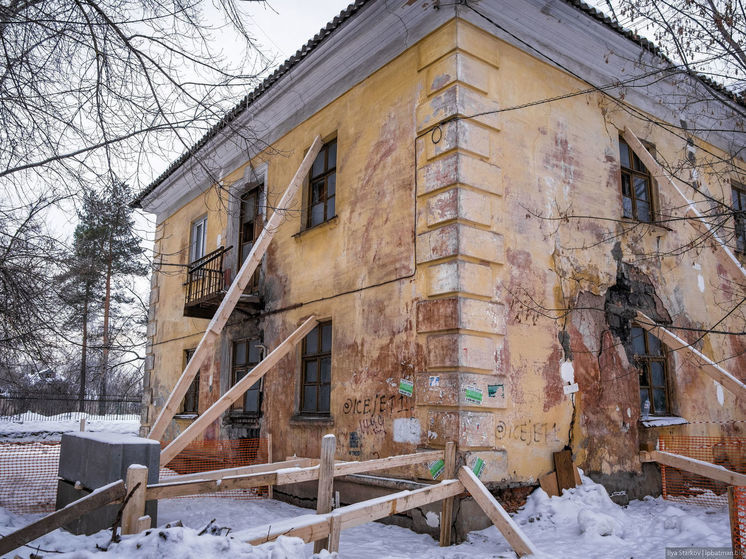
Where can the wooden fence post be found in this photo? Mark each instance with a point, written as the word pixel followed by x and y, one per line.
pixel 134 509
pixel 335 530
pixel 446 512
pixel 270 493
pixel 326 483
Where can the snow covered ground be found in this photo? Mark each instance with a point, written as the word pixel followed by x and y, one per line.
pixel 34 427
pixel 583 523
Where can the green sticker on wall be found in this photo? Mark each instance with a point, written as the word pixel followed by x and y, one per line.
pixel 436 468
pixel 478 467
pixel 473 395
pixel 406 387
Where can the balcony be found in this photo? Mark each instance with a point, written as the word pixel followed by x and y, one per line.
pixel 206 285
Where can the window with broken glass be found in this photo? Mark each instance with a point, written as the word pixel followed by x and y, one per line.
pixel 637 185
pixel 322 186
pixel 738 193
pixel 190 404
pixel 246 355
pixel 316 370
pixel 651 363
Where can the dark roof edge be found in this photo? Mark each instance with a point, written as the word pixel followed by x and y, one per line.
pixel 252 96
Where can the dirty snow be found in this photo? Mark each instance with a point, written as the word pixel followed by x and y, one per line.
pixel 34 427
pixel 583 523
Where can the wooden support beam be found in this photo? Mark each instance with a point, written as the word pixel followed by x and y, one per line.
pixel 143 523
pixel 695 217
pixel 694 466
pixel 205 346
pixel 326 484
pixel 501 519
pixel 270 489
pixel 280 475
pixel 314 527
pixel 100 497
pixel 136 482
pixel 446 509
pixel 707 365
pixel 242 470
pixel 235 392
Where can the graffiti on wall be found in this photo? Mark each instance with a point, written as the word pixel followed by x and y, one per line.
pixel 528 432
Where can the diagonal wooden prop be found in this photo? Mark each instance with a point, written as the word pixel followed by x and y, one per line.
pixel 205 346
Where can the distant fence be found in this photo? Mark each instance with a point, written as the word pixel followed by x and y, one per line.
pixel 729 452
pixel 28 470
pixel 48 407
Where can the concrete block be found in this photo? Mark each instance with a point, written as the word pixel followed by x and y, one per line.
pixel 457 100
pixel 97 459
pixel 460 313
pixel 454 67
pixel 461 204
pixel 466 135
pixel 461 351
pixel 495 466
pixel 460 240
pixel 476 430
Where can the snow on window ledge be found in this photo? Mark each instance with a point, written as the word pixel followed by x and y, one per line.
pixel 663 421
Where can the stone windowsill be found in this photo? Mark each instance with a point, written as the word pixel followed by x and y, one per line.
pixel 663 421
pixel 307 420
pixel 190 416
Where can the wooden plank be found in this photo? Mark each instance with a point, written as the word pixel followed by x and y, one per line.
pixel 326 484
pixel 709 367
pixel 313 527
pixel 205 346
pixel 136 482
pixel 699 467
pixel 501 519
pixel 335 531
pixel 446 509
pixel 348 468
pixel 548 482
pixel 565 470
pixel 242 470
pixel 695 217
pixel 143 523
pixel 235 392
pixel 102 496
pixel 279 476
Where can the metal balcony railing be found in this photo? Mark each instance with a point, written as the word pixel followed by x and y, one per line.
pixel 205 278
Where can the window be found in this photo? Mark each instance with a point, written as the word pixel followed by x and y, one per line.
pixel 739 216
pixel 316 370
pixel 637 190
pixel 650 359
pixel 249 227
pixel 198 239
pixel 190 404
pixel 322 185
pixel 246 354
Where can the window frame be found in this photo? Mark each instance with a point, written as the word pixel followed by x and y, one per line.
pixel 238 408
pixel 316 357
pixel 258 190
pixel 643 365
pixel 739 215
pixel 193 246
pixel 326 173
pixel 193 389
pixel 640 171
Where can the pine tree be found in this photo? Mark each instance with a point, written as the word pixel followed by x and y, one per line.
pixel 105 249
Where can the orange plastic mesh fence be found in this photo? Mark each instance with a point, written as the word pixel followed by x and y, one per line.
pixel 28 470
pixel 738 522
pixel 724 451
pixel 28 476
pixel 203 456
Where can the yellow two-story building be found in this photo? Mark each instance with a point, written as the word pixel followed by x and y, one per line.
pixel 476 237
